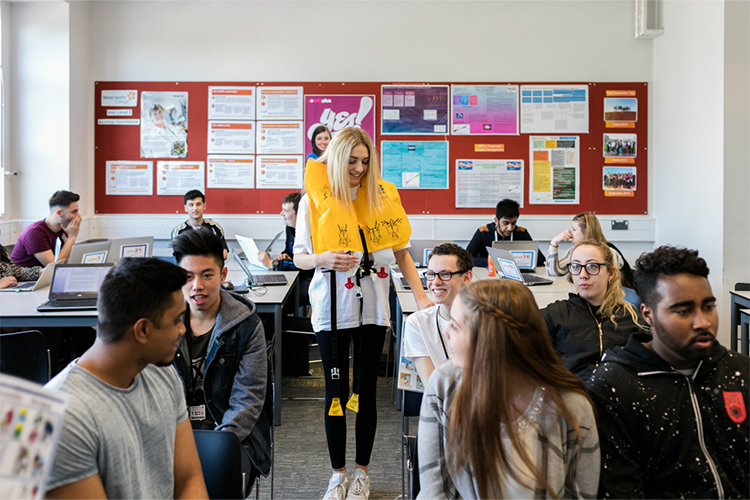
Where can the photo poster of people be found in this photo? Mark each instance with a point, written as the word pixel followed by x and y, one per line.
pixel 164 124
pixel 619 181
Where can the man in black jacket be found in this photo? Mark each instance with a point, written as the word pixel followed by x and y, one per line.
pixel 672 410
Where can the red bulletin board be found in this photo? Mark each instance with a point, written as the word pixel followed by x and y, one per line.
pixel 122 143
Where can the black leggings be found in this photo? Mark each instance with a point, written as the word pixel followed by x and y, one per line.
pixel 368 346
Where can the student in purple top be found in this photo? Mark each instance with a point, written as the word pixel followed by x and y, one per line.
pixel 36 244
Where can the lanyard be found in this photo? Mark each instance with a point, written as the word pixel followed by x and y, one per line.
pixel 440 334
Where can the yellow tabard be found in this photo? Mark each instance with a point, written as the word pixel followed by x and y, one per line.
pixel 336 229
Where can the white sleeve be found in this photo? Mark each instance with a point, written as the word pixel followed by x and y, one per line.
pixel 303 237
pixel 414 344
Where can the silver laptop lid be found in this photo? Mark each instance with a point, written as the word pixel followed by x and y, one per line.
pixel 524 252
pixel 242 265
pixel 89 253
pixel 420 249
pixel 505 264
pixel 77 281
pixel 141 246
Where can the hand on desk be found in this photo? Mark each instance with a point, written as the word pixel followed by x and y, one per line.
pixel 8 281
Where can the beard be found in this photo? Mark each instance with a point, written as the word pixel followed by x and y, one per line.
pixel 686 350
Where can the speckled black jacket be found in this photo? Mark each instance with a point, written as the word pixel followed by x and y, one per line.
pixel 666 435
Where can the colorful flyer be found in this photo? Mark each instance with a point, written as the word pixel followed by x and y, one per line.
pixel 408 377
pixel 130 178
pixel 555 174
pixel 338 112
pixel 164 124
pixel 415 164
pixel 231 172
pixel 414 109
pixel 279 103
pixel 481 183
pixel 231 137
pixel 95 257
pixel 619 181
pixel 484 110
pixel 175 178
pixel 119 98
pixel 279 172
pixel 554 109
pixel 279 137
pixel 231 103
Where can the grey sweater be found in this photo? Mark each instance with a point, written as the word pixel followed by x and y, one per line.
pixel 557 454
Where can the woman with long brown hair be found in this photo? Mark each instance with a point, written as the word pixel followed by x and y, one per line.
pixel 504 418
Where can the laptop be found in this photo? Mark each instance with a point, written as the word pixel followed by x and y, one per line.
pixel 89 253
pixel 32 286
pixel 506 266
pixel 140 246
pixel 420 250
pixel 75 287
pixel 525 253
pixel 259 279
pixel 406 286
pixel 251 251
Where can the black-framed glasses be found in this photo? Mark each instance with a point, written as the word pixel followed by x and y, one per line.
pixel 592 268
pixel 444 275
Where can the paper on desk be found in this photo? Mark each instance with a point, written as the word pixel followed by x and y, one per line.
pixel 251 251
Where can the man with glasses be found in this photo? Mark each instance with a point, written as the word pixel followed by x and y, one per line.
pixel 448 271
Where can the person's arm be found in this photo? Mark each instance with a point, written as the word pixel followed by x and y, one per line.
pixel 188 474
pixel 434 477
pixel 556 265
pixel 476 248
pixel 584 472
pixel 265 259
pixel 424 367
pixel 409 270
pixel 91 487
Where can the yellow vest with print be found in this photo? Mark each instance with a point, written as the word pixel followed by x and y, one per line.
pixel 336 229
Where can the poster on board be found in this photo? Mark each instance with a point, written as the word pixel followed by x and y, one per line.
pixel 279 172
pixel 414 109
pixel 619 181
pixel 130 178
pixel 176 178
pixel 554 109
pixel 279 137
pixel 484 110
pixel 481 183
pixel 620 148
pixel 338 112
pixel 164 124
pixel 555 173
pixel 231 103
pixel 279 103
pixel 231 137
pixel 230 171
pixel 415 164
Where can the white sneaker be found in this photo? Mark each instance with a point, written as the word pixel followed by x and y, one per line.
pixel 337 487
pixel 360 489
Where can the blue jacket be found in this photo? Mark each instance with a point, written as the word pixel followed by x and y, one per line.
pixel 236 376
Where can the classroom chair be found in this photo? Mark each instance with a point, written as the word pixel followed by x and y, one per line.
pixel 632 297
pixel 412 402
pixel 220 458
pixel 25 355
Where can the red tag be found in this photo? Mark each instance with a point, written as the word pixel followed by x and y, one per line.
pixel 735 406
pixel 382 274
pixel 349 285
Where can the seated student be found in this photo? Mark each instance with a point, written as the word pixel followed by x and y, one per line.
pixel 448 271
pixel 503 418
pixel 585 226
pixel 596 318
pixel 36 244
pixel 125 433
pixel 674 406
pixel 222 358
pixel 504 228
pixel 285 261
pixel 11 274
pixel 195 205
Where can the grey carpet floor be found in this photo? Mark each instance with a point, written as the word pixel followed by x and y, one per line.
pixel 302 465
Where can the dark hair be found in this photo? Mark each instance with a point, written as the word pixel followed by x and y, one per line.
pixel 135 289
pixel 464 260
pixel 193 194
pixel 153 109
pixel 293 198
pixel 201 241
pixel 318 130
pixel 62 199
pixel 664 261
pixel 507 208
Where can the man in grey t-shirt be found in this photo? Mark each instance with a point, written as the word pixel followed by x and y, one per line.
pixel 125 432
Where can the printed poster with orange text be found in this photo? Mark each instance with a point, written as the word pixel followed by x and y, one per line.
pixel 555 170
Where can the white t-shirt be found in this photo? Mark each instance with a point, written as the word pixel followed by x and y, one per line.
pixel 422 336
pixel 375 288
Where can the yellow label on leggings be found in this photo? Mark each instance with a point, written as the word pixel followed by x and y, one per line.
pixel 353 403
pixel 336 410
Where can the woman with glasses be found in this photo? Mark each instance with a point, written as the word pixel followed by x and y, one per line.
pixel 596 318
pixel 585 226
pixel 503 418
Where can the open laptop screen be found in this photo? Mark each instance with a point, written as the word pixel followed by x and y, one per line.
pixel 78 280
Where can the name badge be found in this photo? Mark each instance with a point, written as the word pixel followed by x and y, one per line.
pixel 197 412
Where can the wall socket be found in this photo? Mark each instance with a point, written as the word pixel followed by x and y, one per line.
pixel 619 225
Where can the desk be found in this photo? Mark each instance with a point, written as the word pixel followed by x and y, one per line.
pixel 19 310
pixel 738 301
pixel 744 328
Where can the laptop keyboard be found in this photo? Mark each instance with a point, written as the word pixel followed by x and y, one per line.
pixel 67 304
pixel 405 283
pixel 263 279
pixel 532 278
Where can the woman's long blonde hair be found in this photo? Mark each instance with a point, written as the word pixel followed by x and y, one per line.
pixel 509 348
pixel 336 157
pixel 614 299
pixel 591 227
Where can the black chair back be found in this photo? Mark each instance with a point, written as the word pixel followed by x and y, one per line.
pixel 221 463
pixel 25 355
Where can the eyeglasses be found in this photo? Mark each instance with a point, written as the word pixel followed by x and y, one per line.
pixel 592 268
pixel 444 275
